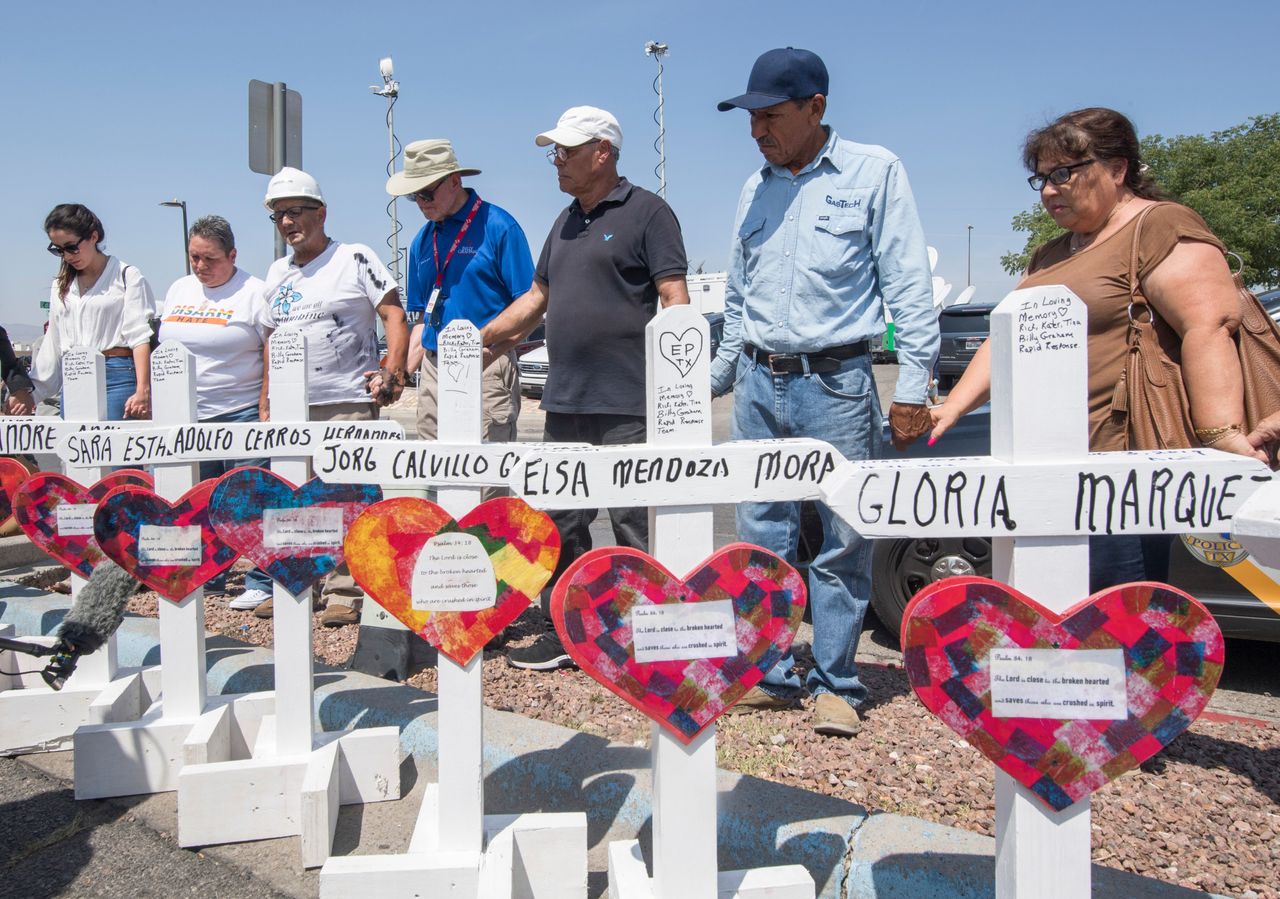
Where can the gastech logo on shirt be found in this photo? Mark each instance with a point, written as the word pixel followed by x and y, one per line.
pixel 466 251
pixel 843 204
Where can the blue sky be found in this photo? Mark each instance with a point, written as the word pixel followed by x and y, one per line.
pixel 120 106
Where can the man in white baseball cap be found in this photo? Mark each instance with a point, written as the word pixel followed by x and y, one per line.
pixel 612 256
pixel 470 261
pixel 331 292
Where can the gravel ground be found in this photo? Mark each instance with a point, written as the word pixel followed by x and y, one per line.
pixel 1205 815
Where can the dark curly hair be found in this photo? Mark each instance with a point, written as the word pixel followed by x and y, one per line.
pixel 81 222
pixel 1096 132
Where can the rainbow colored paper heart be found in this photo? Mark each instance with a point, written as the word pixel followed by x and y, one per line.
pixel 424 568
pixel 56 514
pixel 294 534
pixel 12 476
pixel 614 604
pixel 964 643
pixel 171 548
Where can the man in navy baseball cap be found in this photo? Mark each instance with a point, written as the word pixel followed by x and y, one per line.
pixel 782 74
pixel 825 241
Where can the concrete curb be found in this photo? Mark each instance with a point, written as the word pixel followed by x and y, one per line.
pixel 535 766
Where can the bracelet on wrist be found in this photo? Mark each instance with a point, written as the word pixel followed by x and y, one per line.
pixel 1210 436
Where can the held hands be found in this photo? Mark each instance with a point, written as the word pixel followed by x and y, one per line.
pixel 384 387
pixel 942 417
pixel 907 421
pixel 21 403
pixel 138 405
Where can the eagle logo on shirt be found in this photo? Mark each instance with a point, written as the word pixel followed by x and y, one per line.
pixel 284 299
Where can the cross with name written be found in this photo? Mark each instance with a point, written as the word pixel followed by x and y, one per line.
pixel 1040 495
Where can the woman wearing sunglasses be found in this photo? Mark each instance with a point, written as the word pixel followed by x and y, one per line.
pixel 1091 180
pixel 100 302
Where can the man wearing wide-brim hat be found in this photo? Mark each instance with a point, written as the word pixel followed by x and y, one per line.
pixel 469 261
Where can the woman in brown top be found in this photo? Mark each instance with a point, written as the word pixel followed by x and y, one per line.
pixel 1087 168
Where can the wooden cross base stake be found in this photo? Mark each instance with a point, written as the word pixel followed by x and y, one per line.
pixel 456 849
pixel 1040 496
pixel 681 497
pixel 35 717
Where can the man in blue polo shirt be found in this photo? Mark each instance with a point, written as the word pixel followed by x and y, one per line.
pixel 469 261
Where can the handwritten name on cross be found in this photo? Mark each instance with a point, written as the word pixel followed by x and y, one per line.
pixel 1040 495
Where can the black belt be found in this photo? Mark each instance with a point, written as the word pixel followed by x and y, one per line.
pixel 820 362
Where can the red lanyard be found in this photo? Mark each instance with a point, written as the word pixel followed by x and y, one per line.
pixel 435 251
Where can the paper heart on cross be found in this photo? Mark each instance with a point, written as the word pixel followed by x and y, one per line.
pixel 294 534
pixel 56 514
pixel 456 584
pixel 170 547
pixel 1101 687
pixel 682 651
pixel 12 476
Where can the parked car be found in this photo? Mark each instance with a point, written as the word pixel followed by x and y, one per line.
pixel 962 330
pixel 534 362
pixel 1270 301
pixel 1201 563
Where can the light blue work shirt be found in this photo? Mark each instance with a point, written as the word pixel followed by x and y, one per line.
pixel 818 256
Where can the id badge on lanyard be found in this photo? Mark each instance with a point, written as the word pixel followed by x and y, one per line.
pixel 435 303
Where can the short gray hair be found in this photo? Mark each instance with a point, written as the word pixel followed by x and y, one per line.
pixel 216 229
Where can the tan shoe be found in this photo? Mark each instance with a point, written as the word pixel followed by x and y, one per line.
pixel 757 700
pixel 336 615
pixel 264 609
pixel 834 717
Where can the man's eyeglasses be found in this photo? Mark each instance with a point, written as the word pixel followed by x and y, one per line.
pixel 69 250
pixel 427 195
pixel 293 212
pixel 1059 176
pixel 562 154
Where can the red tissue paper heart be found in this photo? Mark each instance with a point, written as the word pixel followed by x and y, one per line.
pixel 36 507
pixel 171 562
pixel 1166 655
pixel 12 476
pixel 521 544
pixel 595 601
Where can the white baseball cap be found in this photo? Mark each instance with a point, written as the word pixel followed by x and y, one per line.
pixel 290 182
pixel 581 124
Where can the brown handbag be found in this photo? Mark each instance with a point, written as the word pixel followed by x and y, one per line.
pixel 1151 391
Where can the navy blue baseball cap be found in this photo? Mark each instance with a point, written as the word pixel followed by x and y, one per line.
pixel 778 75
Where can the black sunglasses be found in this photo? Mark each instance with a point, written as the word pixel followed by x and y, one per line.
pixel 293 212
pixel 1059 176
pixel 68 249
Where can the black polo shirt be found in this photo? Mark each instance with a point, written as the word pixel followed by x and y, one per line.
pixel 598 271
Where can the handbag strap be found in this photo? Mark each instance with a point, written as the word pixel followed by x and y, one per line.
pixel 1136 297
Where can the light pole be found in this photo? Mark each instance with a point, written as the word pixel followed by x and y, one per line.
pixel 186 257
pixel 968 265
pixel 391 91
pixel 657 51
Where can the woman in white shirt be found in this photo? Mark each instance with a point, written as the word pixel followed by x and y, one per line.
pixel 213 313
pixel 96 301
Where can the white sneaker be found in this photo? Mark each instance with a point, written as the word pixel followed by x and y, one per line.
pixel 248 600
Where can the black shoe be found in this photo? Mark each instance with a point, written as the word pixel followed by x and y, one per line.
pixel 544 654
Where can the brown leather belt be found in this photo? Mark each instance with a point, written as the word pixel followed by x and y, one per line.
pixel 118 351
pixel 819 362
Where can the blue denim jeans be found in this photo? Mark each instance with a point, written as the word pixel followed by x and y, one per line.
pixel 842 408
pixel 256 578
pixel 122 383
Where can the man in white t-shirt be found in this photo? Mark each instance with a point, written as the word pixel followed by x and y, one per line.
pixel 333 293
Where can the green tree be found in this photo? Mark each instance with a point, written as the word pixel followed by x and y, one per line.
pixel 1231 177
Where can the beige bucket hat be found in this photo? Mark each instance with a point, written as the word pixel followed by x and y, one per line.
pixel 425 163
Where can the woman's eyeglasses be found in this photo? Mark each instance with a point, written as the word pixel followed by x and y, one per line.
pixel 69 250
pixel 1059 176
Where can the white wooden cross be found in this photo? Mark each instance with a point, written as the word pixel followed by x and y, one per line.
pixel 37 718
pixel 680 475
pixel 456 849
pixel 251 766
pixel 1040 495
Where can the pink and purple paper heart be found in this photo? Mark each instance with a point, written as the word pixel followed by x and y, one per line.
pixel 36 505
pixel 1172 659
pixel 593 603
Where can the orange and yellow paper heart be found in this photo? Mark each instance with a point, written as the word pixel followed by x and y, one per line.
pixel 456 584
